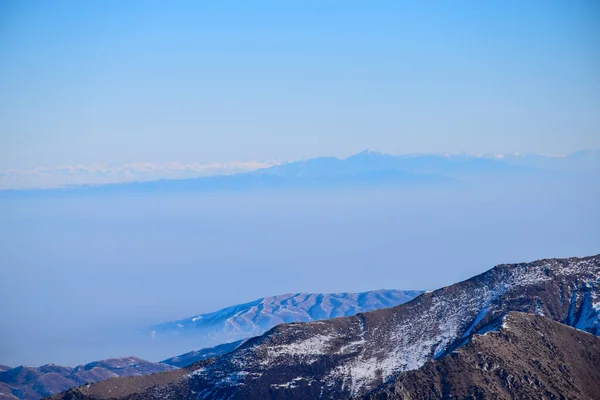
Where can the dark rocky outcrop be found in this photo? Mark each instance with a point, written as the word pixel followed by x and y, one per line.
pixel 528 357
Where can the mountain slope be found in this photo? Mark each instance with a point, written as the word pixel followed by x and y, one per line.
pixel 169 384
pixel 350 357
pixel 34 383
pixel 256 317
pixel 191 357
pixel 527 357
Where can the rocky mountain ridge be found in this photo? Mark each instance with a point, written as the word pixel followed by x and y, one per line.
pixel 351 357
pixel 525 356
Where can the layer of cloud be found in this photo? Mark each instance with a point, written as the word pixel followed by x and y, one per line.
pixel 66 175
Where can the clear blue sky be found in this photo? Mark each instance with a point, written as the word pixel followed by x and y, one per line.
pixel 119 81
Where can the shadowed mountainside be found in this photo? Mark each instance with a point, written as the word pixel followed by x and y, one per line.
pixel 526 357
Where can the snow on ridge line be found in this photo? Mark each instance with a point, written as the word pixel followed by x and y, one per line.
pixel 264 313
pixel 409 339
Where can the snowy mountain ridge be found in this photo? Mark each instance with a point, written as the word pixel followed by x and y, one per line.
pixel 349 357
pixel 355 356
pixel 256 317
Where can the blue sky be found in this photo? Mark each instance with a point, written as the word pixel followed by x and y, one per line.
pixel 113 82
pixel 154 82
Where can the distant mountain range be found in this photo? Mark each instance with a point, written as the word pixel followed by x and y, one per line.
pixel 463 341
pixel 256 317
pixel 34 383
pixel 449 166
pixel 365 169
